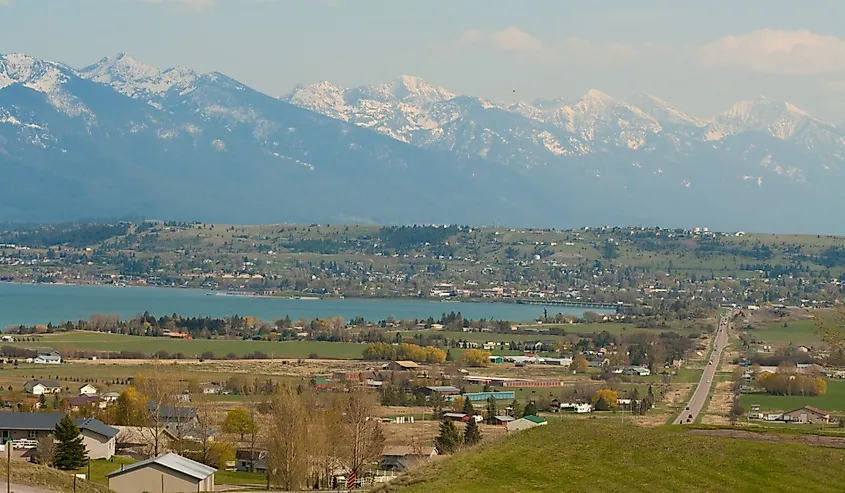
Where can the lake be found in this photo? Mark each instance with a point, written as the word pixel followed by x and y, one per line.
pixel 30 304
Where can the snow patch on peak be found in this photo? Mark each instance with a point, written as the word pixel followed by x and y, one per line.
pixel 322 97
pixel 136 79
pixel 42 76
pixel 122 68
pixel 664 112
pixel 406 89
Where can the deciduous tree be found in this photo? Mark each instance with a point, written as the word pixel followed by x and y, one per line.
pixel 238 422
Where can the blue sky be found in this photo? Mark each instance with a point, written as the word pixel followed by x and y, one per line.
pixel 700 56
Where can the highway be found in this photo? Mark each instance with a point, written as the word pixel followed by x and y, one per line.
pixel 699 397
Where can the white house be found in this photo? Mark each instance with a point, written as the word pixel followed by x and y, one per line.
pixel 48 358
pixel 88 389
pixel 576 407
pixel 38 387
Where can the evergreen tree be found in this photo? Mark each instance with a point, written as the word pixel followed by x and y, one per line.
pixel 449 438
pixel 437 404
pixel 491 409
pixel 472 434
pixel 42 401
pixel 449 356
pixel 70 451
pixel 530 409
pixel 469 409
pixel 516 409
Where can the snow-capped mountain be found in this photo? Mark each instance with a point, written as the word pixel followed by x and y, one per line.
pixel 122 137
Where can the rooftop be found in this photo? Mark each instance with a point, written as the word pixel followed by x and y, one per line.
pixel 173 462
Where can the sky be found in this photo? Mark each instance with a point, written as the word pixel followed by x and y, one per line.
pixel 700 56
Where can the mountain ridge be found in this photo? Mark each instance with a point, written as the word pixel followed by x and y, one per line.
pixel 77 142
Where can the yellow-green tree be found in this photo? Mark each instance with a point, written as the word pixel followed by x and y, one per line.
pixel 238 422
pixel 604 400
pixel 475 358
pixel 579 363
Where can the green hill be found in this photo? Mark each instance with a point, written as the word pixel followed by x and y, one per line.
pixel 47 478
pixel 579 456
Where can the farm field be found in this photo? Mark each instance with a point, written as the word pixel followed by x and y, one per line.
pixel 95 341
pixel 833 400
pixel 796 332
pixel 656 459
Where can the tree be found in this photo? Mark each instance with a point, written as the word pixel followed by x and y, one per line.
pixel 491 410
pixel 449 439
pixel 437 404
pixel 579 363
pixel 516 409
pixel 238 422
pixel 156 390
pixel 475 358
pixel 45 451
pixel 288 445
pixel 604 400
pixel 530 409
pixel 472 434
pixel 42 401
pixel 469 409
pixel 219 453
pixel 70 451
pixel 129 408
pixel 361 440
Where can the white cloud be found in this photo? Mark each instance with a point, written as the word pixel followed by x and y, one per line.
pixel 514 40
pixel 509 40
pixel 781 52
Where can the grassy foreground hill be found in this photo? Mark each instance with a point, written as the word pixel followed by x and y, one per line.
pixel 593 456
pixel 47 478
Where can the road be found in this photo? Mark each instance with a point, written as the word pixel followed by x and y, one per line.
pixel 21 488
pixel 699 397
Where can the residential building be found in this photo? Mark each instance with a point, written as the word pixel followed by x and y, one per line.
pixel 110 397
pixel 166 473
pixel 87 389
pixel 212 389
pixel 399 459
pixel 483 396
pixel 637 371
pixel 98 437
pixel 456 417
pixel 38 387
pixel 502 420
pixel 525 423
pixel 808 414
pixel 244 459
pixel 48 358
pixel 80 402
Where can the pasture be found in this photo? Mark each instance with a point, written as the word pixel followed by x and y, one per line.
pixel 194 348
pixel 833 400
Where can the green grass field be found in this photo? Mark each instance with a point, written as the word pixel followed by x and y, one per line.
pixel 194 348
pixel 603 456
pixel 797 332
pixel 833 400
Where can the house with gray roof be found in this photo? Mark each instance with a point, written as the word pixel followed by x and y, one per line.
pixel 48 358
pixel 98 437
pixel 38 387
pixel 168 472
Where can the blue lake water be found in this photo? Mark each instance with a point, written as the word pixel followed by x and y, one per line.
pixel 41 303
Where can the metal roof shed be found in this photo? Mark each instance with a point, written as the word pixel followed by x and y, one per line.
pixel 165 473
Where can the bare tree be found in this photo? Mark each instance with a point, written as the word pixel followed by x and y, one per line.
pixel 288 442
pixel 156 388
pixel 361 440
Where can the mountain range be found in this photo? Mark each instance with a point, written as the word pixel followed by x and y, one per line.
pixel 123 138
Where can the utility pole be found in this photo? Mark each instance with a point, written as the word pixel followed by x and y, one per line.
pixel 8 446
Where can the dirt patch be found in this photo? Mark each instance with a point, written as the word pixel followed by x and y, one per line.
pixel 813 440
pixel 424 433
pixel 672 402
